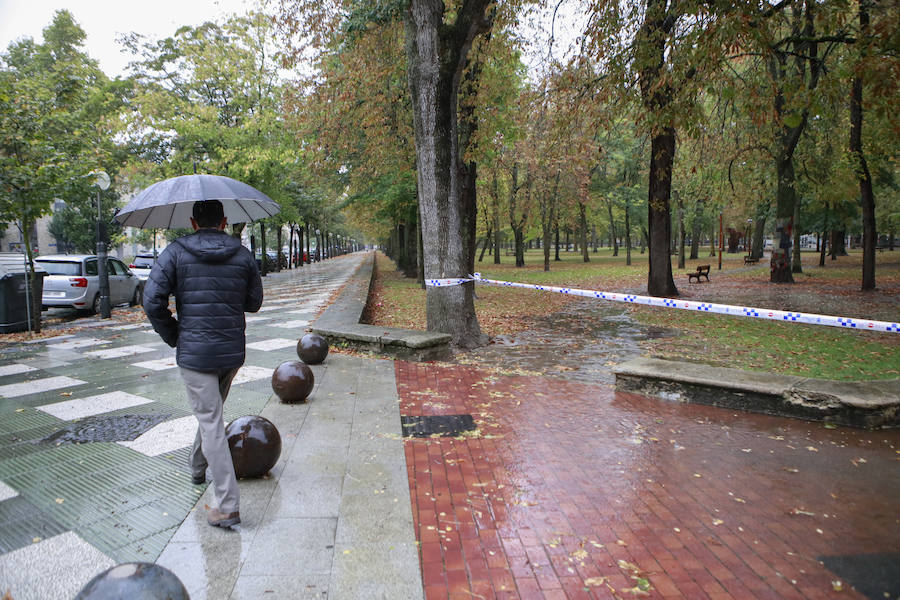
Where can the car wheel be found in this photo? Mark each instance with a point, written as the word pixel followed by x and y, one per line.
pixel 95 306
pixel 137 297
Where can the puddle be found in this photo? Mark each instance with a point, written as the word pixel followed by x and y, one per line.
pixel 583 342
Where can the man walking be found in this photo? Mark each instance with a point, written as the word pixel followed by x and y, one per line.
pixel 215 280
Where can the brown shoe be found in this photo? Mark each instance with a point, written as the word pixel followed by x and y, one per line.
pixel 217 518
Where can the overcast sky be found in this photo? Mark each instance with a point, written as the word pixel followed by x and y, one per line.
pixel 103 21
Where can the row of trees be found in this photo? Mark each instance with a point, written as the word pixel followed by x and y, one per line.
pixel 208 99
pixel 751 110
pixel 417 123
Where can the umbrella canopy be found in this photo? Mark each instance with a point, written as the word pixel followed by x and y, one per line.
pixel 168 204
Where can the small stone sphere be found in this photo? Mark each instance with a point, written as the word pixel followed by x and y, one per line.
pixel 292 381
pixel 255 445
pixel 312 348
pixel 135 581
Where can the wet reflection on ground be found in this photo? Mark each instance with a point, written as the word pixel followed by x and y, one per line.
pixel 582 343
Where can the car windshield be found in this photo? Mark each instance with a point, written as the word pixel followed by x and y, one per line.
pixel 59 267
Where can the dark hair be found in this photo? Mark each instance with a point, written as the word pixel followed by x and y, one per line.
pixel 208 213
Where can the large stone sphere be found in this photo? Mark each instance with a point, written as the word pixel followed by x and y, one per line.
pixel 135 581
pixel 293 381
pixel 255 445
pixel 312 348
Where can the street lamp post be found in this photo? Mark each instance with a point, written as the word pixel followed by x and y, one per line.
pixel 102 182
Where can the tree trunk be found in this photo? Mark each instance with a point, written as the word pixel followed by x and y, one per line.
pixel 556 238
pixel 308 247
pixel 264 258
pixel 517 225
pixel 420 254
pixel 627 234
pixel 484 246
pixel 582 226
pixel 680 230
pixel 695 230
pixel 656 96
pixel 784 222
pixel 796 265
pixel 759 234
pixel 712 240
pixel 437 53
pixel 613 236
pixel 291 260
pixel 662 157
pixel 279 255
pixel 824 239
pixel 867 198
pixel 496 218
pixel 548 219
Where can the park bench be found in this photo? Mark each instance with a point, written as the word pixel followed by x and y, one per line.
pixel 702 271
pixel 750 260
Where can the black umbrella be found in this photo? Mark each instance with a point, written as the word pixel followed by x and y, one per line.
pixel 168 204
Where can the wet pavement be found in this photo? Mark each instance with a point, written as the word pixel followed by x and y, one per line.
pixel 573 490
pixel 581 342
pixel 95 433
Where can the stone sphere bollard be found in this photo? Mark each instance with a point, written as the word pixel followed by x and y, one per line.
pixel 312 348
pixel 293 381
pixel 135 581
pixel 255 445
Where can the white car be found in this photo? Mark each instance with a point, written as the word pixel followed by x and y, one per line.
pixel 73 281
pixel 141 266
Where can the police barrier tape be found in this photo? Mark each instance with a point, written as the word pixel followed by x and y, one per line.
pixel 724 309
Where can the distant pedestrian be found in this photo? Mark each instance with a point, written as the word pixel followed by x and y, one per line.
pixel 215 280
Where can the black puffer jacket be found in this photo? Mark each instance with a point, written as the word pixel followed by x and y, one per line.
pixel 215 281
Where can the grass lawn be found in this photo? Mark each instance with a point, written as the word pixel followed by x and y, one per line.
pixel 762 345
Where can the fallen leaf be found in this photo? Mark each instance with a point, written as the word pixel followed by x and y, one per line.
pixel 66 394
pixel 624 564
pixel 595 581
pixel 717 522
pixel 60 500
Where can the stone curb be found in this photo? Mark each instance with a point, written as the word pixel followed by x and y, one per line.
pixel 865 404
pixel 340 323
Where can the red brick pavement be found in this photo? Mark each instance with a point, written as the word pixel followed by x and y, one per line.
pixel 571 490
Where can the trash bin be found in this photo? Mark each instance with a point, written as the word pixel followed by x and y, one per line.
pixel 13 304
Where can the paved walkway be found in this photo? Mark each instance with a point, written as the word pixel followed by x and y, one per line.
pixel 93 448
pixel 522 486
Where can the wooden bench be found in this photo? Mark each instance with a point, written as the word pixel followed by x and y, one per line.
pixel 750 260
pixel 702 271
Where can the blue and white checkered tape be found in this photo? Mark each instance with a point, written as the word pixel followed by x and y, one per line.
pixel 727 309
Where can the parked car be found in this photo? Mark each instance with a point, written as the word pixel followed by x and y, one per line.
pixel 272 260
pixel 141 265
pixel 73 281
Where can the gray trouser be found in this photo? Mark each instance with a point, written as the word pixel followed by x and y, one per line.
pixel 206 392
